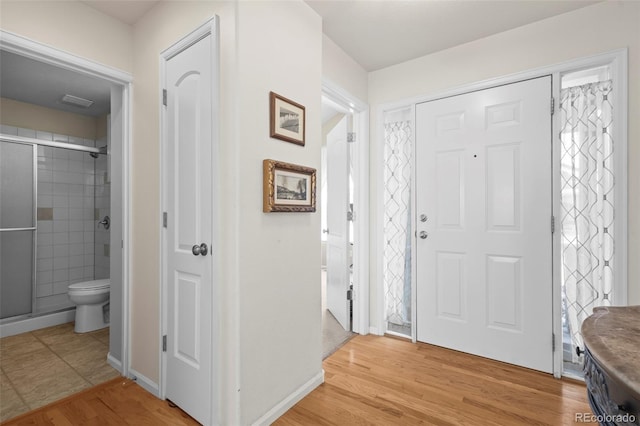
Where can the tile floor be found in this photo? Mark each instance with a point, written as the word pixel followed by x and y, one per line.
pixel 46 365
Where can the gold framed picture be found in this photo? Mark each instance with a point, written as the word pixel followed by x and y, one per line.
pixel 287 119
pixel 288 187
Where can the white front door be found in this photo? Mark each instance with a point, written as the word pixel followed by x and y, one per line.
pixel 483 207
pixel 337 224
pixel 188 230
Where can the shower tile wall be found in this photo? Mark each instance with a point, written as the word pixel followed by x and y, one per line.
pixel 66 218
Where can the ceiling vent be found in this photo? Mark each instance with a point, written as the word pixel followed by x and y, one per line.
pixel 76 101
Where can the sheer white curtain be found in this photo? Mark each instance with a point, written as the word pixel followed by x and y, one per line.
pixel 587 206
pixel 397 221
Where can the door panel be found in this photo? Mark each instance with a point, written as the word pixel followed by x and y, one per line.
pixel 189 224
pixel 337 224
pixel 483 179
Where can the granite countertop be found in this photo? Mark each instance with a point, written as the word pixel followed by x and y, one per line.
pixel 612 335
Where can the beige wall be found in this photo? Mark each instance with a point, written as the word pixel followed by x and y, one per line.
pixel 162 26
pixel 71 26
pixel 30 116
pixel 266 264
pixel 595 29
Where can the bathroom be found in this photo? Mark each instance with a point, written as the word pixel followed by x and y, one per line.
pixel 55 197
pixel 69 186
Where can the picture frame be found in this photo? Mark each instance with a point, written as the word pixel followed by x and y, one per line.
pixel 288 187
pixel 287 119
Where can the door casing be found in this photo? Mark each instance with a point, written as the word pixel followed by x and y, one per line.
pixel 210 27
pixel 360 111
pixel 122 92
pixel 617 60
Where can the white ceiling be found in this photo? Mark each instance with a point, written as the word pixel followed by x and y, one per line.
pixel 378 34
pixel 27 80
pixel 127 11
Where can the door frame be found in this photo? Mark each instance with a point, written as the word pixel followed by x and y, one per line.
pixel 123 81
pixel 210 27
pixel 617 61
pixel 360 112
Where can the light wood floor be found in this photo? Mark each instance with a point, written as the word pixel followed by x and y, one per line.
pixel 387 381
pixel 115 403
pixel 370 380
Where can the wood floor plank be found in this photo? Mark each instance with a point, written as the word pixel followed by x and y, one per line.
pixel 369 381
pixel 382 380
pixel 115 403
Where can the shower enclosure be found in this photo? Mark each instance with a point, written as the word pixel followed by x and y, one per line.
pixel 54 194
pixel 17 227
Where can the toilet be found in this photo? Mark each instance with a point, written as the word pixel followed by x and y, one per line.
pixel 92 304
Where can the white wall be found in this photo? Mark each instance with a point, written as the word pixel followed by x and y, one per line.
pixel 280 50
pixel 342 70
pixel 591 30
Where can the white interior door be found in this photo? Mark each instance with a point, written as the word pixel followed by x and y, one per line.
pixel 189 229
pixel 337 223
pixel 483 206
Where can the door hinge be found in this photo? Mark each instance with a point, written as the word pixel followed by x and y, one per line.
pixel 350 294
pixel 351 137
pixel 164 343
pixel 553 105
pixel 164 219
pixel 553 224
pixel 164 97
pixel 553 342
pixel 350 216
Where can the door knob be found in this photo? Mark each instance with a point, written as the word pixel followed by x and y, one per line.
pixel 201 249
pixel 423 235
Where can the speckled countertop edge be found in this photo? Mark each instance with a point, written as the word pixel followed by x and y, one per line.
pixel 612 335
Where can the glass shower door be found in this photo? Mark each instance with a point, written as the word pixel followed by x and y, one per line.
pixel 17 227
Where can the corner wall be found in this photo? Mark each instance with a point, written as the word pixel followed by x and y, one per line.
pixel 280 50
pixel 588 31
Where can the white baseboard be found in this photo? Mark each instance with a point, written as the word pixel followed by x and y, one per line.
pixel 291 400
pixel 115 363
pixel 146 383
pixel 375 331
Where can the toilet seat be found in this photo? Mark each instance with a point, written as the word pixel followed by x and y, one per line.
pixel 91 285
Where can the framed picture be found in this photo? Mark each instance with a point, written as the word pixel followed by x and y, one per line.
pixel 288 187
pixel 287 119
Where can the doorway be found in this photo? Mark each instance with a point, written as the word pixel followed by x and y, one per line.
pixel 344 212
pixel 70 159
pixel 616 62
pixel 189 169
pixel 337 240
